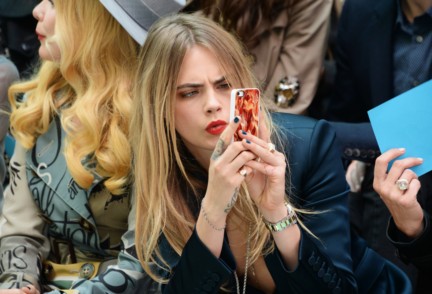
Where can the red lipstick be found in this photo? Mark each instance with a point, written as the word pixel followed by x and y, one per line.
pixel 216 127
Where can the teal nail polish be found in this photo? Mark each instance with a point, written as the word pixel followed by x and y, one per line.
pixel 236 119
pixel 247 141
pixel 244 133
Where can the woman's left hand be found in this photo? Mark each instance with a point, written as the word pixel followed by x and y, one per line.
pixel 266 182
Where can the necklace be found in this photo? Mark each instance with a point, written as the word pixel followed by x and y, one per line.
pixel 246 265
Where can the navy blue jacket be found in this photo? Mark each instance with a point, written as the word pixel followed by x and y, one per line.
pixel 339 262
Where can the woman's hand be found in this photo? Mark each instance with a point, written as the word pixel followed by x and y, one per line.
pixel 266 182
pixel 30 289
pixel 226 171
pixel 402 204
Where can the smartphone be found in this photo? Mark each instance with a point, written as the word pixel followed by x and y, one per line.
pixel 245 104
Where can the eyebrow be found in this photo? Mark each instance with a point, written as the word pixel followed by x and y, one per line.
pixel 195 85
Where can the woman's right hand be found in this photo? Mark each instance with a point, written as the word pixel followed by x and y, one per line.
pixel 402 204
pixel 226 171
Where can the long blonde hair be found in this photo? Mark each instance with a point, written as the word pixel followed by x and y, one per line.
pixel 168 182
pixel 90 87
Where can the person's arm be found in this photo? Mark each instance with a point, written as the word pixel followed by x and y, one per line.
pixel 415 250
pixel 409 226
pixel 324 263
pixel 22 243
pixel 126 276
pixel 199 270
pixel 303 49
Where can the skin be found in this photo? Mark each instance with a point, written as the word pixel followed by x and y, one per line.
pixel 403 205
pixel 414 8
pixel 30 289
pixel 45 14
pixel 197 106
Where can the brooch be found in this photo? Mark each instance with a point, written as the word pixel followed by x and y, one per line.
pixel 286 92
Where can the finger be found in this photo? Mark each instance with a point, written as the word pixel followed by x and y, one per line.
pixel 399 167
pixel 264 150
pixel 382 162
pixel 225 138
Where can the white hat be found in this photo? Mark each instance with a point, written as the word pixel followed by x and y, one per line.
pixel 137 16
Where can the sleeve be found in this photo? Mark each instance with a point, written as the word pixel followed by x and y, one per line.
pixel 325 264
pixel 22 242
pixel 418 250
pixel 199 271
pixel 303 50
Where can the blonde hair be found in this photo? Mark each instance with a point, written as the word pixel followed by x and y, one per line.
pixel 90 87
pixel 162 169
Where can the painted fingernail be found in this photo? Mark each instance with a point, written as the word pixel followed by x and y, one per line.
pixel 236 119
pixel 247 141
pixel 244 133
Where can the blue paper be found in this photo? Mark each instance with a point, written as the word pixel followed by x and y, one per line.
pixel 406 122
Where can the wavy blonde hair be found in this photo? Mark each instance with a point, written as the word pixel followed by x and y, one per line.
pixel 90 87
pixel 165 173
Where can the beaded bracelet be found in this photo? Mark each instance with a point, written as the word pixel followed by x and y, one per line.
pixel 208 221
pixel 286 222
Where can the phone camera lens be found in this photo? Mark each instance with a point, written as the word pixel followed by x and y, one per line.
pixel 240 93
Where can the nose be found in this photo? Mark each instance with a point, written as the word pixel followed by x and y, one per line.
pixel 38 11
pixel 212 103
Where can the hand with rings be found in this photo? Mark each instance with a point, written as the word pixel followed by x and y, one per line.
pixel 266 181
pixel 398 188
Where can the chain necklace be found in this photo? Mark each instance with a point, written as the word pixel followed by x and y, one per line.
pixel 246 265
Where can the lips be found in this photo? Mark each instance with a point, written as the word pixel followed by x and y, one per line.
pixel 40 36
pixel 216 127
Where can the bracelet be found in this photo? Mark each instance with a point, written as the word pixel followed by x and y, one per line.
pixel 286 222
pixel 208 221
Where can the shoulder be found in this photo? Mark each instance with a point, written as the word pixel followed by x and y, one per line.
pixel 304 137
pixel 298 126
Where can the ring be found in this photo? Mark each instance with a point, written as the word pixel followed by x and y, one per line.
pixel 271 147
pixel 402 184
pixel 243 172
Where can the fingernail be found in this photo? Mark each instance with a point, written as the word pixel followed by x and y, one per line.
pixel 236 119
pixel 244 133
pixel 247 141
pixel 419 158
pixel 402 149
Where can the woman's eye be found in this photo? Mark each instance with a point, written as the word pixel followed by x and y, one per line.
pixel 188 94
pixel 224 86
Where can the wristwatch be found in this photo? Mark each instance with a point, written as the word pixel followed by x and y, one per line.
pixel 284 223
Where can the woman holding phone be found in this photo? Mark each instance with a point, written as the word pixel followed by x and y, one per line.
pixel 266 214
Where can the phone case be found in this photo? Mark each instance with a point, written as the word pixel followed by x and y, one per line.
pixel 245 104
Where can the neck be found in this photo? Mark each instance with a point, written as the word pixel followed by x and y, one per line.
pixel 414 8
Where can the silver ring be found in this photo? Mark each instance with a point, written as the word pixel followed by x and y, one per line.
pixel 402 184
pixel 271 147
pixel 243 172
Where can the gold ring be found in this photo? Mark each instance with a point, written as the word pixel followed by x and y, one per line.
pixel 402 184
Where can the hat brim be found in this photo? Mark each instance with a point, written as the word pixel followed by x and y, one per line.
pixel 137 16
